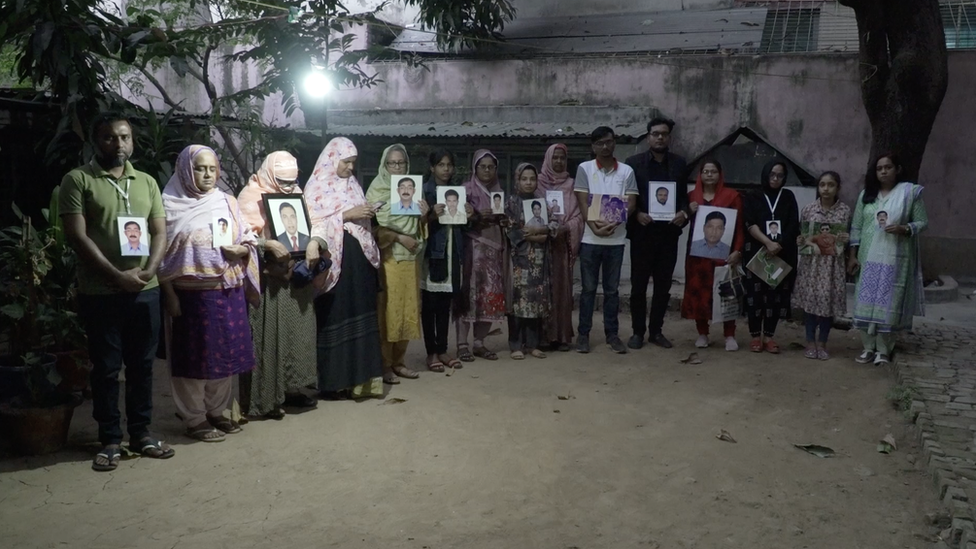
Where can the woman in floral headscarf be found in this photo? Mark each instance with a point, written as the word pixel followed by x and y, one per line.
pixel 350 363
pixel 284 323
pixel 207 290
pixel 554 177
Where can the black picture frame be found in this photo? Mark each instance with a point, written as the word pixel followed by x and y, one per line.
pixel 276 229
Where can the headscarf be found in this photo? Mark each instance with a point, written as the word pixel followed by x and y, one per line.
pixel 724 198
pixel 550 180
pixel 277 165
pixel 768 169
pixel 328 195
pixel 380 189
pixel 479 196
pixel 189 233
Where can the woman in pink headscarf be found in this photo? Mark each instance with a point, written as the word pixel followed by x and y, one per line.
pixel 206 290
pixel 284 323
pixel 350 364
pixel 483 282
pixel 554 178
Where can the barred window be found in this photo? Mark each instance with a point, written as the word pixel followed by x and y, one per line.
pixel 791 30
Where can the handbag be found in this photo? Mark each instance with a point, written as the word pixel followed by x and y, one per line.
pixel 732 286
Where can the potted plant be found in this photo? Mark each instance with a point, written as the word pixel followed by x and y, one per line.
pixel 34 414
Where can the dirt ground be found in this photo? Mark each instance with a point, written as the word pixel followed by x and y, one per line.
pixel 491 457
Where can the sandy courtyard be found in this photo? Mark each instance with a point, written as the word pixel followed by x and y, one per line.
pixel 491 457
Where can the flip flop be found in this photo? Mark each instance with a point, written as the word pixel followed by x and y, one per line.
pixel 403 371
pixel 112 455
pixel 223 424
pixel 483 352
pixel 455 363
pixel 205 434
pixel 538 354
pixel 518 355
pixel 436 366
pixel 152 448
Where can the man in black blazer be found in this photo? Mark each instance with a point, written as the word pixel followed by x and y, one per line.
pixel 293 240
pixel 654 244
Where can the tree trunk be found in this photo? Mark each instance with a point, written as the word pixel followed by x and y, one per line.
pixel 904 75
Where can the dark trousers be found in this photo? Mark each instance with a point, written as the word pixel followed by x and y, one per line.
pixel 121 329
pixel 523 333
pixel 594 259
pixel 435 318
pixel 764 325
pixel 651 258
pixel 813 322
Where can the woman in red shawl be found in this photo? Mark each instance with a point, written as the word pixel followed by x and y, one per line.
pixel 710 190
pixel 565 246
pixel 483 283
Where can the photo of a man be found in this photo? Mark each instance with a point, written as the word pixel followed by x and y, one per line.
pixel 133 245
pixel 662 195
pixel 221 232
pixel 498 203
pixel 882 219
pixel 454 207
pixel 772 230
pixel 825 241
pixel 535 215
pixel 222 223
pixel 661 201
pixel 404 204
pixel 292 238
pixel 555 200
pixel 711 245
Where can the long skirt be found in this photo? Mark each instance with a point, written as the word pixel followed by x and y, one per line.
pixel 699 275
pixel 348 339
pixel 559 323
pixel 211 339
pixel 284 343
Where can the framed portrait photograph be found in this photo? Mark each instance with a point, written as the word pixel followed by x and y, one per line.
pixel 554 202
pixel 222 235
pixel 498 203
pixel 712 234
pixel 661 200
pixel 453 199
pixel 882 217
pixel 133 236
pixel 406 192
pixel 534 212
pixel 289 220
pixel 607 207
pixel 773 230
pixel 823 238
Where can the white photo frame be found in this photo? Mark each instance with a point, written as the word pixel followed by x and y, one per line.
pixel 774 230
pixel 530 207
pixel 555 203
pixel 661 200
pixel 497 203
pixel 705 244
pixel 453 198
pixel 405 194
pixel 222 228
pixel 133 236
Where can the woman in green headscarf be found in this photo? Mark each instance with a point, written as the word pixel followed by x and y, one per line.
pixel 401 231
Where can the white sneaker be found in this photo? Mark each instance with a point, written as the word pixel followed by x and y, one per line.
pixel 731 344
pixel 865 357
pixel 880 360
pixel 701 342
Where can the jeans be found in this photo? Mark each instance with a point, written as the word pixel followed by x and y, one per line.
pixel 813 322
pixel 593 259
pixel 651 258
pixel 121 328
pixel 435 317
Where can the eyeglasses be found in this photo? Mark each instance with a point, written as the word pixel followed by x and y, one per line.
pixel 605 144
pixel 396 164
pixel 709 172
pixel 488 168
pixel 660 135
pixel 775 175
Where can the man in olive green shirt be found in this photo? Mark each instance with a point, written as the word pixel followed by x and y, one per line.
pixel 118 295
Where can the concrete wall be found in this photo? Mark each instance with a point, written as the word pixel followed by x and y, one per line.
pixel 809 106
pixel 551 8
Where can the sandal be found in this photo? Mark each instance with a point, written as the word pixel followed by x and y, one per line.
pixel 229 427
pixel 537 353
pixel 435 366
pixel 756 346
pixel 455 363
pixel 152 448
pixel 483 352
pixel 403 371
pixel 205 434
pixel 464 354
pixel 772 347
pixel 390 378
pixel 111 455
pixel 518 355
pixel 810 353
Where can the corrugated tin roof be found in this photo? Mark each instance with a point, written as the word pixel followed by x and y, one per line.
pixel 479 129
pixel 619 33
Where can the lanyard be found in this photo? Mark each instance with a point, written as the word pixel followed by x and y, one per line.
pixel 124 194
pixel 772 205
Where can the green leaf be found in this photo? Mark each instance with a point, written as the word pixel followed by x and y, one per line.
pixel 14 310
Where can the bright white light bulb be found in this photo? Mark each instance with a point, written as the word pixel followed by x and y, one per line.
pixel 317 84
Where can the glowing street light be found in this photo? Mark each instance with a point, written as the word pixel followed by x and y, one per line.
pixel 317 84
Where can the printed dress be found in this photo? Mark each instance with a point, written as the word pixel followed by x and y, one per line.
pixel 821 286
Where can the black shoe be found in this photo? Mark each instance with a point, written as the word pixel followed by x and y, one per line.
pixel 659 340
pixel 636 341
pixel 616 345
pixel 583 343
